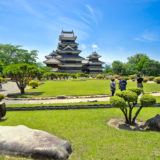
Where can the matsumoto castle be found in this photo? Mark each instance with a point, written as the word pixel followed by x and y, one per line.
pixel 66 58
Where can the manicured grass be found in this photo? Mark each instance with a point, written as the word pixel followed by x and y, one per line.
pixel 56 104
pixel 89 134
pixel 77 87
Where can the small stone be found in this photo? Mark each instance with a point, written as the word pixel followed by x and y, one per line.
pixel 61 97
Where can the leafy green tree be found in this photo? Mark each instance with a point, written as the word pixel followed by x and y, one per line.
pixel 117 67
pixel 1 67
pixel 151 68
pixel 13 54
pixel 130 68
pixel 107 69
pixel 127 100
pixel 136 58
pixel 21 73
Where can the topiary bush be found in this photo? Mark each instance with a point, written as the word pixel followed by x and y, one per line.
pixel 145 80
pixel 1 97
pixel 116 76
pixel 33 84
pixel 117 101
pixel 147 100
pixel 157 80
pixel 100 76
pixel 138 91
pixel 127 100
pixel 2 80
pixel 126 78
pixel 151 78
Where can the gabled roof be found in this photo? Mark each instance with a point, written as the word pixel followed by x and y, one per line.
pixel 53 53
pixel 52 61
pixel 94 55
pixel 67 33
pixel 68 47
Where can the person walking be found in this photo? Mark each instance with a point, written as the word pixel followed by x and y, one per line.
pixel 113 86
pixel 122 84
pixel 139 82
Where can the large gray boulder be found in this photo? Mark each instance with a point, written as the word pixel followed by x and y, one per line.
pixel 153 123
pixel 23 141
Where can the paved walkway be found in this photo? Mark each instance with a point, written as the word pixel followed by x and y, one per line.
pixel 9 87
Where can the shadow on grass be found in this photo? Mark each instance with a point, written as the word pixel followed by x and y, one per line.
pixel 3 119
pixel 26 95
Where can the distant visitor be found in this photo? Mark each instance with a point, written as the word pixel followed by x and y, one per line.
pixel 113 86
pixel 122 84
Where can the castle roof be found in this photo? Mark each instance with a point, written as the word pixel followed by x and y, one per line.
pixel 52 61
pixel 65 35
pixel 94 55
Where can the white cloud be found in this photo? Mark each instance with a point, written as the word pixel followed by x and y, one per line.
pixel 95 46
pixel 83 46
pixel 92 13
pixel 147 36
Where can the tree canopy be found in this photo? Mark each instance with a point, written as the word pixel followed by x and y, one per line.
pixel 14 54
pixel 139 63
pixel 21 73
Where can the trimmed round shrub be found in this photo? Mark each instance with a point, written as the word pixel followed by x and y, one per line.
pixel 116 76
pixel 151 78
pixel 119 94
pixel 147 100
pixel 145 80
pixel 100 76
pixel 1 97
pixel 129 96
pixel 132 77
pixel 33 84
pixel 157 79
pixel 138 91
pixel 117 102
pixel 2 80
pixel 126 78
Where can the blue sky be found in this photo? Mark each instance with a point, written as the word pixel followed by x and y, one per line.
pixel 116 29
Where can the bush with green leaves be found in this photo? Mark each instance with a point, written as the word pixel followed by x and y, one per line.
pixel 2 80
pixel 100 76
pixel 151 78
pixel 33 84
pixel 82 75
pixel 21 73
pixel 116 76
pixel 157 80
pixel 145 80
pixel 127 100
pixel 134 76
pixel 147 100
pixel 1 97
pixel 126 78
pixel 138 91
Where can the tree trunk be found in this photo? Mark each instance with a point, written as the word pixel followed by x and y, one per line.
pixel 130 113
pixel 134 118
pixel 125 115
pixel 22 90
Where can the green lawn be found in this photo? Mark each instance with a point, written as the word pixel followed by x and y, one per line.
pixel 77 87
pixel 89 134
